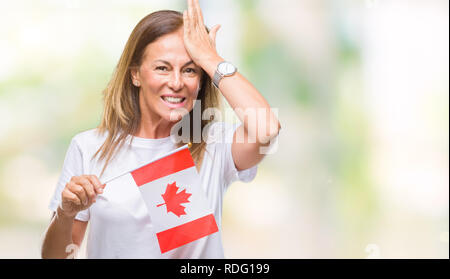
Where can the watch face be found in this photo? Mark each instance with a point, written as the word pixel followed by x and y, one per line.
pixel 226 68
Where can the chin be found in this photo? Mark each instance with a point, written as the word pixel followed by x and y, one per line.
pixel 176 115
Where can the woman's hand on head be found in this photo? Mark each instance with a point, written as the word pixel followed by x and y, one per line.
pixel 80 193
pixel 200 45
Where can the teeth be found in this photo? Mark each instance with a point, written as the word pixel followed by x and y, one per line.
pixel 173 100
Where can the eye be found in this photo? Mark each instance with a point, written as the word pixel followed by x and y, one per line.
pixel 191 70
pixel 161 68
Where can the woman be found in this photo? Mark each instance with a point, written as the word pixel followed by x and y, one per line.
pixel 169 61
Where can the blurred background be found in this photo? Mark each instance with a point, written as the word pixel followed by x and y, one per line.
pixel 362 91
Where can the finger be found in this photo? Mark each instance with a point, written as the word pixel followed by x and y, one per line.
pixel 186 21
pixel 67 195
pixel 193 14
pixel 190 10
pixel 213 32
pixel 88 188
pixel 198 10
pixel 79 191
pixel 97 184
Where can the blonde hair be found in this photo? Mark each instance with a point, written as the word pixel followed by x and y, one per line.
pixel 121 114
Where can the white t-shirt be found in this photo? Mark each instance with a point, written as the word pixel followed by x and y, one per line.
pixel 118 232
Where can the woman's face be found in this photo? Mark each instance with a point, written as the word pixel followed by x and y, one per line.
pixel 168 79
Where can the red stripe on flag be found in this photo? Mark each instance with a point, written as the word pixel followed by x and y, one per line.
pixel 186 233
pixel 171 164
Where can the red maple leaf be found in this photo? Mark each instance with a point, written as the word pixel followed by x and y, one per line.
pixel 173 200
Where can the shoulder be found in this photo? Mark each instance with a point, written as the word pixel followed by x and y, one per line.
pixel 219 138
pixel 220 132
pixel 89 139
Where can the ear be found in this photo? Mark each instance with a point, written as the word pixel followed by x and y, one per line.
pixel 135 79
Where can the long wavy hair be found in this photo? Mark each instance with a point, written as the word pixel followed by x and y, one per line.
pixel 121 114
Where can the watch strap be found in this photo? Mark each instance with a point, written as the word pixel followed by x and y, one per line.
pixel 216 79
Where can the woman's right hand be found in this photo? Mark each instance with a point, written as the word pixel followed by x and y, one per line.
pixel 80 193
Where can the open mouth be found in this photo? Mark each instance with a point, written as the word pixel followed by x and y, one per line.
pixel 174 102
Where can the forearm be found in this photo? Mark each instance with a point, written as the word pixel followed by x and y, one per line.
pixel 58 236
pixel 250 106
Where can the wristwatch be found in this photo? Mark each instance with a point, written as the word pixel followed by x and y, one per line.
pixel 224 69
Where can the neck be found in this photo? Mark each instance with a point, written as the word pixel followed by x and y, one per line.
pixel 153 127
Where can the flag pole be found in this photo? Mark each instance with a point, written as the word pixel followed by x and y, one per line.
pixel 188 145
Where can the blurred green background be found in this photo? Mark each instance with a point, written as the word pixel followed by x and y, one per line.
pixel 362 89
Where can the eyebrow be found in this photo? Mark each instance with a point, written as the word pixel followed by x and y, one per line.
pixel 167 63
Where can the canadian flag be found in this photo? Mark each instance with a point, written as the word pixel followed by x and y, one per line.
pixel 178 208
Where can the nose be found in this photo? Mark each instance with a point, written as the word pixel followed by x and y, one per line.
pixel 176 81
